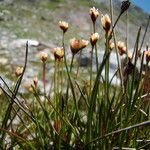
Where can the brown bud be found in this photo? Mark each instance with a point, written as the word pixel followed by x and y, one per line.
pixel 63 25
pixel 94 38
pixel 94 14
pixel 125 5
pixel 77 45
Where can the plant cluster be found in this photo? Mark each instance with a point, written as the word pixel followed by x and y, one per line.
pixel 82 110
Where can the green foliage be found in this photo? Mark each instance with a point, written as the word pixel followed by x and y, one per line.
pixel 81 109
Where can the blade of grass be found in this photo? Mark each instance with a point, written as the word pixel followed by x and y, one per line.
pixel 146 123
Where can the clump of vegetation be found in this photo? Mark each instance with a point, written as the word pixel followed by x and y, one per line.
pixel 81 110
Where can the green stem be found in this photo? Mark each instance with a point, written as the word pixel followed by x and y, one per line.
pixel 44 78
pixel 96 55
pixel 107 71
pixel 93 98
pixel 78 64
pixel 91 69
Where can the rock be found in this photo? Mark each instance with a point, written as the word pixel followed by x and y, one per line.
pixel 3 61
pixel 18 43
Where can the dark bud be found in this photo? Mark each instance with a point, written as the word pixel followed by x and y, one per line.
pixel 125 5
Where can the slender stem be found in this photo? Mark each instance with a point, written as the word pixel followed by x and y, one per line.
pixel 127 27
pixel 91 69
pixel 78 64
pixel 107 70
pixel 114 37
pixel 61 74
pixel 68 84
pixel 44 77
pixel 96 54
pixel 71 65
pixel 146 123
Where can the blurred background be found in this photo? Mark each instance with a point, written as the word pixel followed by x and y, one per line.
pixel 37 22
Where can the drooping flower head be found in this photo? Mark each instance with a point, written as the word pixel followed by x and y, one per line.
pixel 94 14
pixel 77 45
pixel 63 25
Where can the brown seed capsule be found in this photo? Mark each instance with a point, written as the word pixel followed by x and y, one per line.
pixel 19 71
pixel 77 45
pixel 57 126
pixel 94 38
pixel 125 5
pixel 63 25
pixel 58 53
pixel 106 22
pixel 94 14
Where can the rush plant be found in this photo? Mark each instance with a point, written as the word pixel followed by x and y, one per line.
pixel 82 110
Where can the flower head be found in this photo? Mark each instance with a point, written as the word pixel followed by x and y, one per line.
pixel 63 25
pixel 94 14
pixel 77 45
pixel 19 71
pixel 106 22
pixel 147 53
pixel 94 38
pixel 111 45
pixel 43 56
pixel 121 48
pixel 58 53
pixel 129 55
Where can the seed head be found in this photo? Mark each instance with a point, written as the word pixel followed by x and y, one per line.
pixel 106 22
pixel 111 45
pixel 58 53
pixel 63 25
pixel 121 48
pixel 129 55
pixel 94 38
pixel 43 56
pixel 19 71
pixel 77 45
pixel 94 14
pixel 125 5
